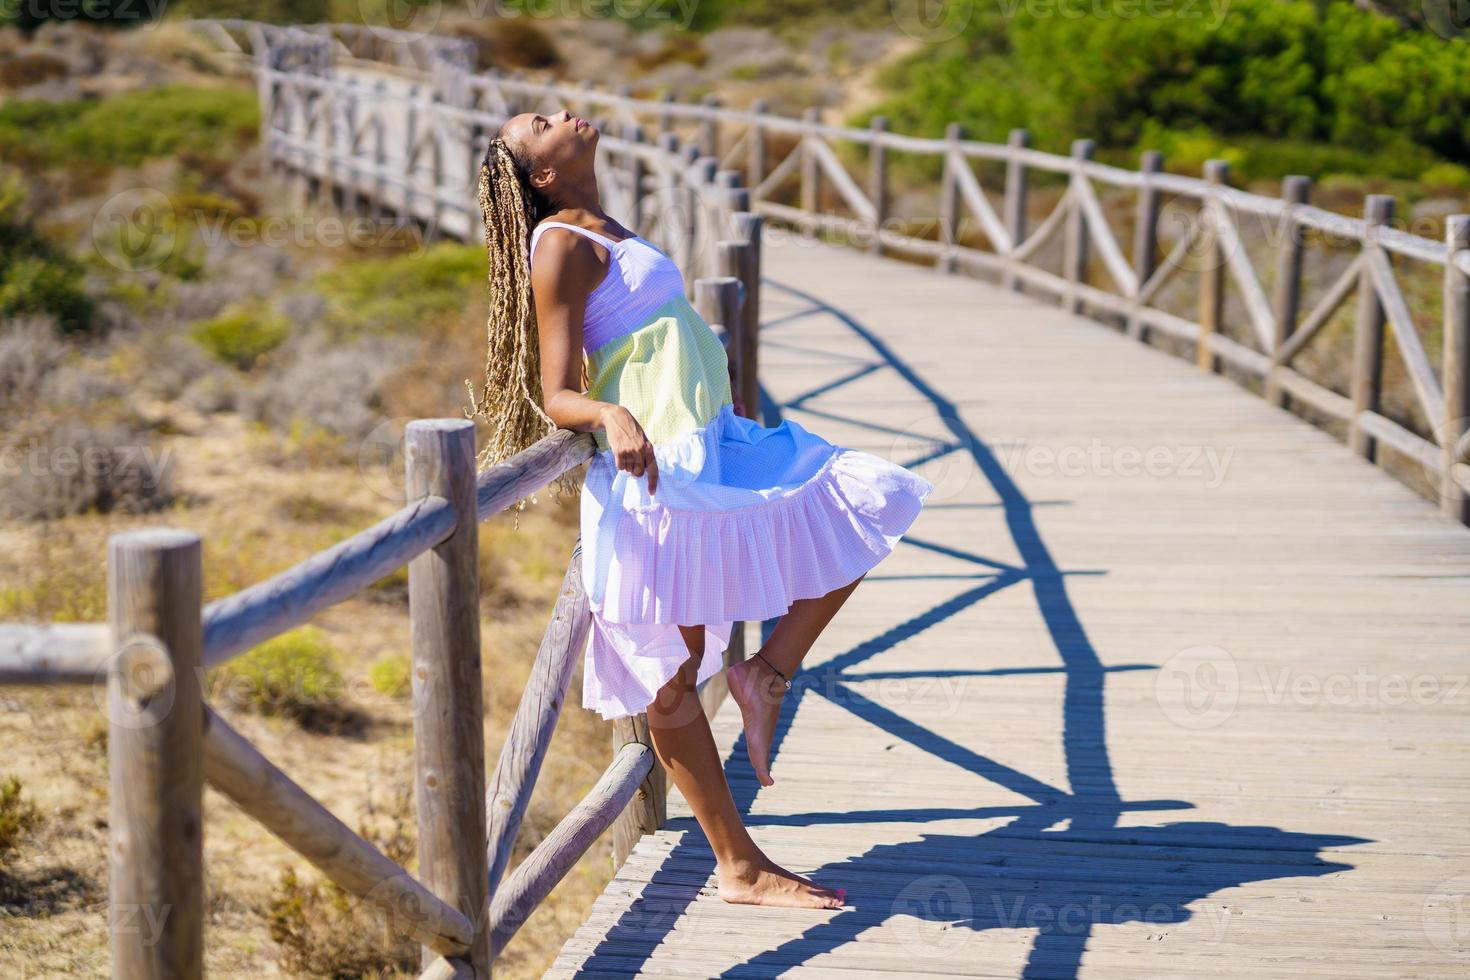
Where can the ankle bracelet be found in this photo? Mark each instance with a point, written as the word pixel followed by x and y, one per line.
pixel 778 672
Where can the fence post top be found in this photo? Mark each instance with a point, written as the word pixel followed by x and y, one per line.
pixel 1457 231
pixel 154 539
pixel 438 425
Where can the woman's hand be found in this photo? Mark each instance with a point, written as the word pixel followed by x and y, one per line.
pixel 630 445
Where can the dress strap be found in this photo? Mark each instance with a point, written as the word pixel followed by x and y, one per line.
pixel 585 232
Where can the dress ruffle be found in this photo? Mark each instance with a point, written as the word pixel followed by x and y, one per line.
pixel 745 520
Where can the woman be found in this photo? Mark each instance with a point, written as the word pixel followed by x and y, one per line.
pixel 692 515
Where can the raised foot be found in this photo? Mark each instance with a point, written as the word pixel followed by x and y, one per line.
pixel 770 884
pixel 758 691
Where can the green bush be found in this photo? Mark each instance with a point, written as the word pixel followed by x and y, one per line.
pixel 1293 70
pixel 241 336
pixel 400 294
pixel 392 676
pixel 18 817
pixel 296 675
pixel 36 277
pixel 130 128
pixel 1450 177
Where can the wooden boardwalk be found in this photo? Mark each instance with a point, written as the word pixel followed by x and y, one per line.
pixel 1162 683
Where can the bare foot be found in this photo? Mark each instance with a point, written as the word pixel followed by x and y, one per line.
pixel 766 883
pixel 758 691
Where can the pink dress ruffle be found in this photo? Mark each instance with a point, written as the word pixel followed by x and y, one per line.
pixel 745 520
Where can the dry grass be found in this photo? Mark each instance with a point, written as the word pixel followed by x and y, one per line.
pixel 256 521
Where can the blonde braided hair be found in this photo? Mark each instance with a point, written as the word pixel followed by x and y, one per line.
pixel 512 397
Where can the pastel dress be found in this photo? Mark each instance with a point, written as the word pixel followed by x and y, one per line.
pixel 744 519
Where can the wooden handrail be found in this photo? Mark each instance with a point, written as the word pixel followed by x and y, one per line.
pixel 678 193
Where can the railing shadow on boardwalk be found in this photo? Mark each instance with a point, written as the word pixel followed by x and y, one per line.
pixel 1063 883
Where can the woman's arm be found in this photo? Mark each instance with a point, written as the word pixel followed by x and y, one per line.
pixel 561 281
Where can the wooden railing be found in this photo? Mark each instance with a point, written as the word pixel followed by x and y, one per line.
pixel 164 741
pixel 796 176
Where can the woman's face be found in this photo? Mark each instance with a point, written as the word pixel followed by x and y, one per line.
pixel 559 142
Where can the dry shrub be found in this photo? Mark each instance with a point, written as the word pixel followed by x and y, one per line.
pixel 324 398
pixel 82 467
pixel 509 42
pixel 30 349
pixel 31 68
pixel 296 675
pixel 325 932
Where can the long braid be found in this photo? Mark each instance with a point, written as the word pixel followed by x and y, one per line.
pixel 511 401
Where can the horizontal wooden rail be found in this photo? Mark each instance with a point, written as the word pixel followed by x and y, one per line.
pixel 255 614
pixel 236 768
pixel 54 653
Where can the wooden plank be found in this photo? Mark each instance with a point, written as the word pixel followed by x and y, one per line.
pixel 238 770
pixel 54 653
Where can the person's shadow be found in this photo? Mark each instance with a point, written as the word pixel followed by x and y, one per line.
pixel 1063 866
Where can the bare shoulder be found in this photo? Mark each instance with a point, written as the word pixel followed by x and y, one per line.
pixel 566 262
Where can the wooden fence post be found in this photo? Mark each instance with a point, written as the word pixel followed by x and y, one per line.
pixel 1015 200
pixel 650 807
pixel 1454 486
pixel 1074 257
pixel 749 227
pixel 718 300
pixel 155 758
pixel 949 198
pixel 878 181
pixel 637 176
pixel 811 171
pixel 1287 298
pixel 709 126
pixel 448 702
pixel 1367 379
pixel 755 161
pixel 1212 273
pixel 1145 234
pixel 734 196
